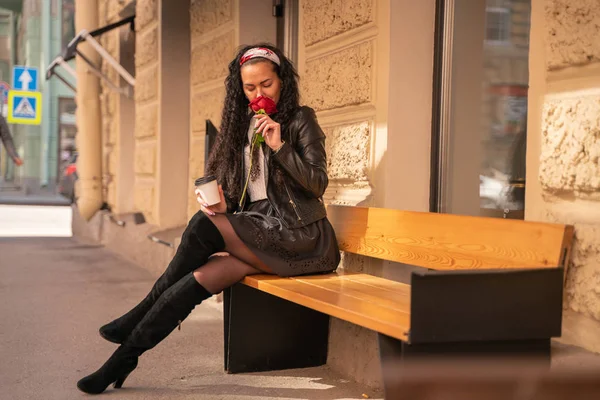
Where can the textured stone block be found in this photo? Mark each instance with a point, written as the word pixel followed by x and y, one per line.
pixel 113 9
pixel 112 102
pixel 147 48
pixel 113 131
pixel 205 106
pixel 210 60
pixel 144 198
pixel 111 43
pixel 354 351
pixel 103 100
pixel 583 278
pixel 196 170
pixel 111 193
pixel 146 120
pixel 146 87
pixel 348 151
pixel 339 79
pixel 102 13
pixel 206 15
pixel 196 164
pixel 146 11
pixel 112 156
pixel 325 19
pixel 572 32
pixel 570 159
pixel 145 158
pixel 113 75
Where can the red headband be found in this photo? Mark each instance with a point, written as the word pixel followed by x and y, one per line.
pixel 260 52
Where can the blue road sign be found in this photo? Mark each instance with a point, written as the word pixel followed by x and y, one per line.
pixel 24 107
pixel 25 78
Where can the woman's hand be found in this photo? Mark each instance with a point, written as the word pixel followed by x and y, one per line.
pixel 219 208
pixel 270 130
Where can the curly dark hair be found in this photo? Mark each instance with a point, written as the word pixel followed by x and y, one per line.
pixel 225 160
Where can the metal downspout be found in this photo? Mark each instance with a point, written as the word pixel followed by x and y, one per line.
pixel 89 132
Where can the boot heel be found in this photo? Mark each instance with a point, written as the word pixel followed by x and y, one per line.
pixel 119 382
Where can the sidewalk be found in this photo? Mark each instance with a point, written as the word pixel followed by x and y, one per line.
pixel 56 292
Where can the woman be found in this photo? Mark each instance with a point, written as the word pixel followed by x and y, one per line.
pixel 271 218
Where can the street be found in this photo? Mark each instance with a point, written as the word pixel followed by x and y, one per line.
pixel 56 292
pixel 34 220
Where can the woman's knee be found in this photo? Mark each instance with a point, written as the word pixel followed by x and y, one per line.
pixel 221 272
pixel 198 219
pixel 201 224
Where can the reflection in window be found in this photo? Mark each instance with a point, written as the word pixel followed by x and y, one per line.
pixel 67 131
pixel 497 25
pixel 483 168
pixel 68 22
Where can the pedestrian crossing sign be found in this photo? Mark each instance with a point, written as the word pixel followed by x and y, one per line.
pixel 24 107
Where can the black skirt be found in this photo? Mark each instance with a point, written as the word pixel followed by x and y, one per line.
pixel 311 249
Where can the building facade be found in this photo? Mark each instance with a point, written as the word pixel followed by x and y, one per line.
pixel 519 105
pixel 39 31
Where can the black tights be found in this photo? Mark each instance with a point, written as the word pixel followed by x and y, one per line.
pixel 220 272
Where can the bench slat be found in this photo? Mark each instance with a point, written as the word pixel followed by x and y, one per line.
pixel 399 301
pixel 358 304
pixel 449 242
pixel 375 282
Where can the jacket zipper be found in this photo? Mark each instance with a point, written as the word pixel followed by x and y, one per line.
pixel 292 202
pixel 266 163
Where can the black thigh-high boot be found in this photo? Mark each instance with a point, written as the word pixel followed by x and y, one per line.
pixel 199 241
pixel 171 308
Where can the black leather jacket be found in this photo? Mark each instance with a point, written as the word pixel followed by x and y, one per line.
pixel 299 202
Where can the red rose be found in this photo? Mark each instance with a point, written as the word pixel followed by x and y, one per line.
pixel 263 103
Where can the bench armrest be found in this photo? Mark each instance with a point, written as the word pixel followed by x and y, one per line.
pixel 486 305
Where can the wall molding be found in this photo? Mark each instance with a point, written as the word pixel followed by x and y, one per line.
pixel 573 94
pixel 342 41
pixel 348 194
pixel 208 37
pixel 208 86
pixel 347 115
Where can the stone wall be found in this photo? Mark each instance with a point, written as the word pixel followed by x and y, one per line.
pixel 108 12
pixel 338 80
pixel 213 44
pixel 563 164
pixel 147 106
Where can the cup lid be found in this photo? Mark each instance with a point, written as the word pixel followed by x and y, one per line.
pixel 205 179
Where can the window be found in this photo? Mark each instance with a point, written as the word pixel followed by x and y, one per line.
pixel 483 110
pixel 287 29
pixel 67 131
pixel 68 22
pixel 497 25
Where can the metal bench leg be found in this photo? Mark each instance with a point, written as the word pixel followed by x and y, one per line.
pixel 264 332
pixel 430 362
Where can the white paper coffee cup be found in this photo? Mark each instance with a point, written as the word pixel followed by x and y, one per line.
pixel 209 189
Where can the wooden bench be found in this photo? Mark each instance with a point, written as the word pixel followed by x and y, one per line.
pixel 487 286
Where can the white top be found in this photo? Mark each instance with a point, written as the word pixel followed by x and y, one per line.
pixel 257 189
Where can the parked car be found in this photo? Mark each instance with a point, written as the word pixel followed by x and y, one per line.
pixel 499 193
